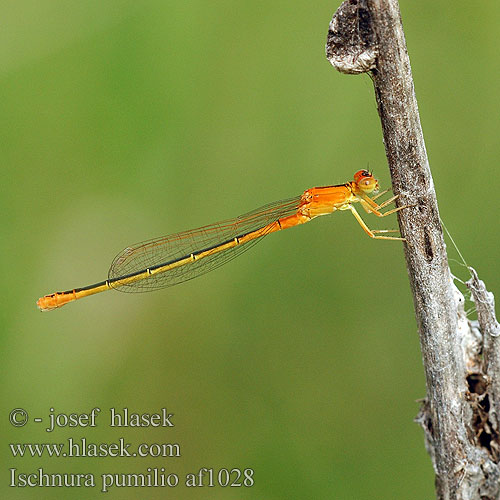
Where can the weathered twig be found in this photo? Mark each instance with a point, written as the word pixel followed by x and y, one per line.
pixel 488 427
pixel 367 36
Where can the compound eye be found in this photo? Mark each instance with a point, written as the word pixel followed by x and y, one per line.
pixel 366 182
pixel 358 176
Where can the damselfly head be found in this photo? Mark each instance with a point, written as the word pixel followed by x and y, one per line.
pixel 366 182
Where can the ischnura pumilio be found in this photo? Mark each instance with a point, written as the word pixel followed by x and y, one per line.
pixel 169 260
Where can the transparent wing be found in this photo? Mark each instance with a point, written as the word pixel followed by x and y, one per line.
pixel 168 249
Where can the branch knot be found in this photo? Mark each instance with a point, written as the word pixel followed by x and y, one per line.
pixel 351 43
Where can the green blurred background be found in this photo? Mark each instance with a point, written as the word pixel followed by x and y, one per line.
pixel 126 120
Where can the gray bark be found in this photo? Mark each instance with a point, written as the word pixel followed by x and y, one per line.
pixel 460 415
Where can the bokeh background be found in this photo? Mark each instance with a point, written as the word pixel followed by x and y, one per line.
pixel 126 120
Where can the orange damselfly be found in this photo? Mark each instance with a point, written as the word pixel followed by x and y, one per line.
pixel 169 260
